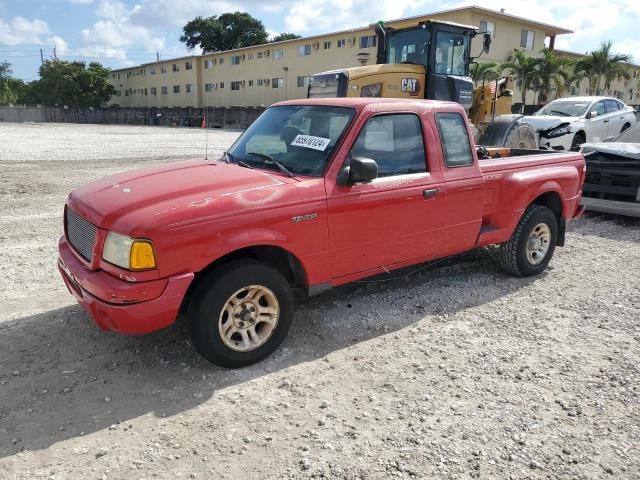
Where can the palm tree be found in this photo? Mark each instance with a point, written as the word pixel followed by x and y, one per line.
pixel 603 64
pixel 553 73
pixel 484 71
pixel 524 69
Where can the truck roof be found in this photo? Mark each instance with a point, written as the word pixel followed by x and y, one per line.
pixel 360 103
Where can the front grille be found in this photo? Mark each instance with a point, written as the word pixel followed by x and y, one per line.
pixel 80 234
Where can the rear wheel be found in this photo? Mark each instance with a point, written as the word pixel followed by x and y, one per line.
pixel 240 313
pixel 578 139
pixel 532 244
pixel 521 136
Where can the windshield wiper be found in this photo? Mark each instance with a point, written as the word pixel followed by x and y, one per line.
pixel 564 114
pixel 228 158
pixel 284 170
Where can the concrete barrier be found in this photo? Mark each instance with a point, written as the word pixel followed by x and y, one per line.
pixel 217 117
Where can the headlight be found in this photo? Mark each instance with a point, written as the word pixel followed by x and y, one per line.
pixel 129 253
pixel 558 131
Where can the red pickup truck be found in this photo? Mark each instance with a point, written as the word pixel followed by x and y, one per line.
pixel 314 194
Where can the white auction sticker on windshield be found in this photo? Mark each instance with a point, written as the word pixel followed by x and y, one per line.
pixel 308 141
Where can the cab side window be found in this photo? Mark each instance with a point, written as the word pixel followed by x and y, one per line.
pixel 395 142
pixel 455 139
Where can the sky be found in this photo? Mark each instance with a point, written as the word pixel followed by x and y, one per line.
pixel 120 33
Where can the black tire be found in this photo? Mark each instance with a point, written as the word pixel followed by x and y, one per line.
pixel 578 139
pixel 211 296
pixel 521 136
pixel 512 255
pixel 624 127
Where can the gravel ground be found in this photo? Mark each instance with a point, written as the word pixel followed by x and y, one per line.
pixel 458 371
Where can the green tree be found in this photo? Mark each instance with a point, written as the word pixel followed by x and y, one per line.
pixel 285 36
pixel 73 83
pixel 486 71
pixel 553 73
pixel 7 89
pixel 603 64
pixel 525 72
pixel 224 32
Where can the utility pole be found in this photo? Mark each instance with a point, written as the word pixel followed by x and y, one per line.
pixel 41 58
pixel 54 53
pixel 157 56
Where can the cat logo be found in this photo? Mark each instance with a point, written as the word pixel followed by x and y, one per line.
pixel 410 85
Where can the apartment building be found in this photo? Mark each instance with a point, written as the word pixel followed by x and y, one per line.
pixel 265 74
pixel 624 89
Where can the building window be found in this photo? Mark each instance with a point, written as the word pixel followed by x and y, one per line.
pixel 235 60
pixel 259 54
pixel 635 74
pixel 236 85
pixel 208 87
pixel 303 51
pixel 303 81
pixel 278 54
pixel 154 91
pixel 251 83
pixel 206 64
pixel 175 67
pixel 326 45
pixel 526 39
pixel 341 43
pixel 250 56
pixel 164 90
pixel 189 87
pixel 486 26
pixel 260 82
pixel 188 65
pixel 152 70
pixel 221 60
pixel 574 90
pixel 277 83
pixel 221 84
pixel 163 69
pixel 368 41
pixel 176 89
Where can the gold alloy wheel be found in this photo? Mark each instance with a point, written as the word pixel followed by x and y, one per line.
pixel 249 318
pixel 538 243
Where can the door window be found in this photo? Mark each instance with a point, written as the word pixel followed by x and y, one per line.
pixel 455 139
pixel 611 106
pixel 598 108
pixel 395 142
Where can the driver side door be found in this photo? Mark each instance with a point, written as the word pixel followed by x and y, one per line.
pixel 395 217
pixel 597 127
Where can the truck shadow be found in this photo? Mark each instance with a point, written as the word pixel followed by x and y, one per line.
pixel 61 378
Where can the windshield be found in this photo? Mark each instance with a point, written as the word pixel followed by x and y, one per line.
pixel 451 53
pixel 411 46
pixel 630 135
pixel 301 138
pixel 564 109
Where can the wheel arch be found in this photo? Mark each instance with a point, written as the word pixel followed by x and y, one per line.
pixel 276 256
pixel 553 201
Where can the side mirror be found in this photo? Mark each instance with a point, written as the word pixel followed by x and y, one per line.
pixel 359 170
pixel 592 114
pixel 486 42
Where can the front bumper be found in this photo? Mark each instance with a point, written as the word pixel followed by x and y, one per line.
pixel 120 306
pixel 563 142
pixel 629 209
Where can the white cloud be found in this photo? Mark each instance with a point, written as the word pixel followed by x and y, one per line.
pixel 80 2
pixel 323 15
pixel 21 31
pixel 630 46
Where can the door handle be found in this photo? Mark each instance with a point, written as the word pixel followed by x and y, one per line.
pixel 430 193
pixel 605 121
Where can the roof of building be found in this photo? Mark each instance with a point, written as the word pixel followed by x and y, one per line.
pixel 568 53
pixel 549 30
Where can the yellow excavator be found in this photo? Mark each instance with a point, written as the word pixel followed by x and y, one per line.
pixel 431 60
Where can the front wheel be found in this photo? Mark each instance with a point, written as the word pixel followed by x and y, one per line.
pixel 240 313
pixel 532 244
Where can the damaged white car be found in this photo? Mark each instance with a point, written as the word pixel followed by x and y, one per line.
pixel 567 123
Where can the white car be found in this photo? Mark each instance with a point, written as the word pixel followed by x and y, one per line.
pixel 567 123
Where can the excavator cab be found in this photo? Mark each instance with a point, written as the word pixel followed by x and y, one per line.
pixel 430 60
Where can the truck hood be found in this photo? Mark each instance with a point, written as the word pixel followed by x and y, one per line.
pixel 620 150
pixel 543 122
pixel 155 196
